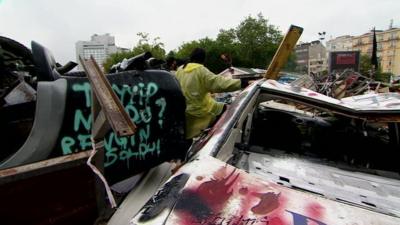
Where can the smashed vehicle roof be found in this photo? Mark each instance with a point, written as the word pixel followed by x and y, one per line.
pixel 361 105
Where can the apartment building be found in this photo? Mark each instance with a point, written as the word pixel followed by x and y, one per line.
pixel 388 48
pixel 341 43
pixel 99 46
pixel 311 57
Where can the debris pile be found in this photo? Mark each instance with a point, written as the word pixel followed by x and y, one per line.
pixel 345 84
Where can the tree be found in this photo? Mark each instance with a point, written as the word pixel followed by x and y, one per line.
pixel 258 41
pixel 366 69
pixel 365 65
pixel 156 48
pixel 171 54
pixel 291 64
pixel 186 48
pixel 384 77
pixel 251 44
pixel 116 58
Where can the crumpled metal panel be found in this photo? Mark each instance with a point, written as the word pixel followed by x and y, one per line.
pixel 382 102
pixel 374 192
pixel 20 94
pixel 219 194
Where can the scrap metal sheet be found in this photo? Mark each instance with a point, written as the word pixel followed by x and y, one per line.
pixel 369 102
pixel 370 191
pixel 219 194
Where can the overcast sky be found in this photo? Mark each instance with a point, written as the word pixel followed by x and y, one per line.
pixel 59 24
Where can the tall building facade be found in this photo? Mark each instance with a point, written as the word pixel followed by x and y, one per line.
pixel 342 43
pixel 99 46
pixel 388 48
pixel 311 57
pixel 302 57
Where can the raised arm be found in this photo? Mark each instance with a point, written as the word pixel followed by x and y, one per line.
pixel 217 84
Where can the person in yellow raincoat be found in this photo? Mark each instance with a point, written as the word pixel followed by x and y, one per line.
pixel 197 84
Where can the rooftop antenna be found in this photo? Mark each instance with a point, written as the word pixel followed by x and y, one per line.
pixel 391 24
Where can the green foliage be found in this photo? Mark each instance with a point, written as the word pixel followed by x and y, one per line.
pixel 366 68
pixel 291 64
pixel 384 77
pixel 155 47
pixel 116 58
pixel 365 65
pixel 251 44
pixel 186 48
pixel 258 41
pixel 171 54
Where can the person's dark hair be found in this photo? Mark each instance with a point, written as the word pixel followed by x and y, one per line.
pixel 198 55
pixel 170 61
pixel 180 62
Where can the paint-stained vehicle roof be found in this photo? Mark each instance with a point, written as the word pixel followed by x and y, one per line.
pixel 209 190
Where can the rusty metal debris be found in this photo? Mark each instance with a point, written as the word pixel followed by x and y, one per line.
pixel 107 112
pixel 344 84
pixel 106 105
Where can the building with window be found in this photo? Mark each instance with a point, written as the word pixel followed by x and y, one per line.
pixel 302 57
pixel 311 57
pixel 388 48
pixel 342 43
pixel 99 46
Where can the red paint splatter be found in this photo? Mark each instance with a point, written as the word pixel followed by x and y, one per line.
pixel 217 192
pixel 315 210
pixel 276 221
pixel 199 178
pixel 312 94
pixel 278 216
pixel 221 173
pixel 186 218
pixel 205 203
pixel 268 202
pixel 245 204
pixel 243 191
pixel 202 204
pixel 253 199
pixel 350 80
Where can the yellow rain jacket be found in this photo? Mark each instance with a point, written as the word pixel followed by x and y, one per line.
pixel 197 84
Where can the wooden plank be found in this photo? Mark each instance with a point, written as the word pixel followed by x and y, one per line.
pixel 110 104
pixel 46 166
pixel 283 52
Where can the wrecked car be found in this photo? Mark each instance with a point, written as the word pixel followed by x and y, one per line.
pixel 60 116
pixel 288 155
pixel 47 123
pixel 280 154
